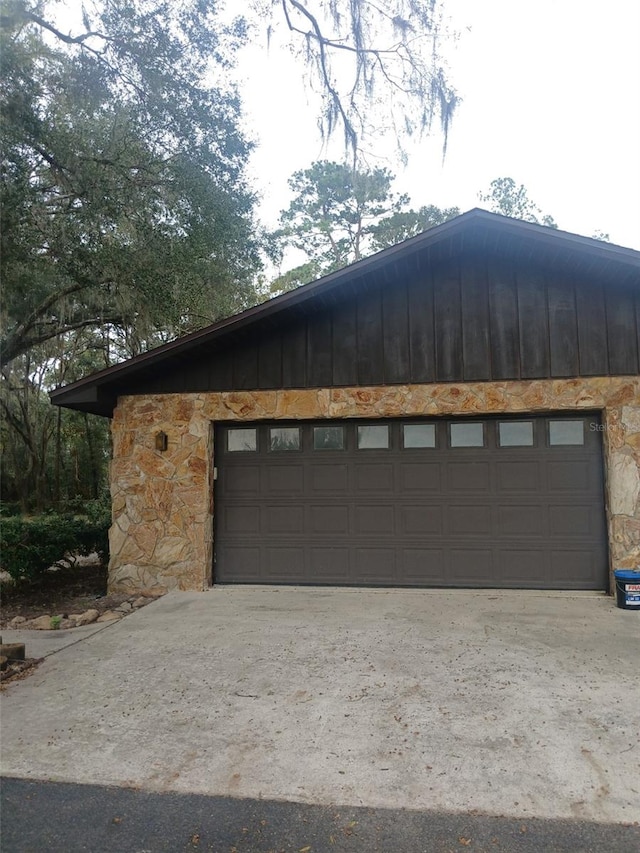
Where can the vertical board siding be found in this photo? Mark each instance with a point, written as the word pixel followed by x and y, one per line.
pixel 294 356
pixel 221 371
pixel 345 368
pixel 421 329
pixel 534 325
pixel 592 329
pixel 369 354
pixel 245 367
pixel 476 355
pixel 503 321
pixel 458 319
pixel 270 361
pixel 622 332
pixel 395 333
pixel 319 350
pixel 563 329
pixel 448 326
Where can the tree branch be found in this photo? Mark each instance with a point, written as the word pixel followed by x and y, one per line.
pixel 36 19
pixel 349 130
pixel 16 346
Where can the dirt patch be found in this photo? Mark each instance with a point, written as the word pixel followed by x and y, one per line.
pixel 67 590
pixel 18 669
pixel 58 593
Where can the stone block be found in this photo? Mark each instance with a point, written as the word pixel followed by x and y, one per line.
pixel 85 618
pixel 12 651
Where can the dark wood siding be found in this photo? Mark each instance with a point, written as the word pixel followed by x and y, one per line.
pixel 463 319
pixel 503 318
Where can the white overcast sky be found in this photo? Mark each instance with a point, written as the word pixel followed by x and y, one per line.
pixel 551 98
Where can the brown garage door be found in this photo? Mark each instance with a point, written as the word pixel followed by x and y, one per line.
pixel 505 502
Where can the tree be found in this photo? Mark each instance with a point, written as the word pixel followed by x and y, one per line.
pixel 123 192
pixel 339 215
pixel 125 214
pixel 511 200
pixel 353 51
pixel 403 224
pixel 333 209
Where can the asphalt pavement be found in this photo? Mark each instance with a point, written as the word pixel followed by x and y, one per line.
pixel 68 818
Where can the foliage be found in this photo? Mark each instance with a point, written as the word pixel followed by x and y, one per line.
pixel 403 224
pixel 29 546
pixel 339 215
pixel 126 218
pixel 357 52
pixel 49 454
pixel 333 208
pixel 123 193
pixel 511 200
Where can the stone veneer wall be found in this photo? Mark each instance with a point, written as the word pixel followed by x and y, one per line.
pixel 162 533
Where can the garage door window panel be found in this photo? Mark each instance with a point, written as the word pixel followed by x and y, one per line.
pixel 515 433
pixel 418 436
pixel 328 438
pixel 284 439
pixel 373 437
pixel 566 432
pixel 242 440
pixel 466 434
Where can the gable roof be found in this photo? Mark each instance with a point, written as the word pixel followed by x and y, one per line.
pixel 477 231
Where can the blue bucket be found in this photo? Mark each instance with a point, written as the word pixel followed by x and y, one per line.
pixel 628 588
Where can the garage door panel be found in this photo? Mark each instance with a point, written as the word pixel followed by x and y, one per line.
pixel 521 520
pixel 569 476
pixel 324 518
pixel 420 477
pixel 431 514
pixel 472 567
pixel 284 519
pixel 243 480
pixel 571 567
pixel 523 476
pixel 241 519
pixel 523 567
pixel 238 564
pixel 375 565
pixel 375 520
pixel 329 565
pixel 286 479
pixel 466 476
pixel 421 520
pixel 572 520
pixel 468 519
pixel 329 478
pixel 376 478
pixel 282 565
pixel 424 566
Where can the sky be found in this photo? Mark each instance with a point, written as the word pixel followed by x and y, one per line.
pixel 550 97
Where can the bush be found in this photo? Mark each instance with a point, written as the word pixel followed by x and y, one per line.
pixel 9 508
pixel 28 546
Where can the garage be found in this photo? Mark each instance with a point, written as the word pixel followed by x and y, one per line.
pixel 482 502
pixel 460 410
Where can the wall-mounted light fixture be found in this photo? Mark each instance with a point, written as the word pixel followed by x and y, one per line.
pixel 162 441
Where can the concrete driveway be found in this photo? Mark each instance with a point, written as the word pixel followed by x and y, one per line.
pixel 519 703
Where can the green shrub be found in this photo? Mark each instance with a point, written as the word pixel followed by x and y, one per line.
pixel 9 508
pixel 28 546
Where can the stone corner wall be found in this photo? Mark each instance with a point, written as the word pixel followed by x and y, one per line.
pixel 161 536
pixel 162 533
pixel 622 473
